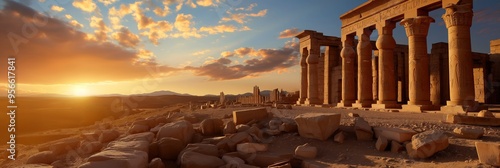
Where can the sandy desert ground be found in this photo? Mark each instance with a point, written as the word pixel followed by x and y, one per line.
pixel 351 153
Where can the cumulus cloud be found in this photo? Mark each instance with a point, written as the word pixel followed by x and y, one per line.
pixel 249 8
pixel 100 34
pixel 289 33
pixel 218 29
pixel 107 2
pixel 158 31
pixel 241 18
pixel 126 38
pixel 183 23
pixel 76 24
pixel 265 60
pixel 205 2
pixel 190 3
pixel 68 16
pixel 56 8
pixel 56 53
pixel 201 52
pixel 162 12
pixel 85 5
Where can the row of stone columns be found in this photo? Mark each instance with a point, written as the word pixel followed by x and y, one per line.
pixel 458 20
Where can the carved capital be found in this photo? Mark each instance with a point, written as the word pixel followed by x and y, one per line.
pixel 313 59
pixel 418 26
pixel 385 27
pixel 458 15
pixel 347 47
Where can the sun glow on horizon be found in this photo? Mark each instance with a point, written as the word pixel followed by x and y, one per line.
pixel 80 91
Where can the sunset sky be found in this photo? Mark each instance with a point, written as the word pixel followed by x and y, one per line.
pixel 92 47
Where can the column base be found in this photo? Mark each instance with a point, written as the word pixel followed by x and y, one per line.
pixel 472 106
pixel 312 101
pixel 386 105
pixel 301 101
pixel 361 104
pixel 345 103
pixel 417 108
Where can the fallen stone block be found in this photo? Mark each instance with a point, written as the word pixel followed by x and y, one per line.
pixel 87 147
pixel 229 143
pixel 146 136
pixel 381 143
pixel 195 159
pixel 247 115
pixel 229 128
pixel 426 144
pixel 117 158
pixel 306 151
pixel 156 163
pixel 275 123
pixel 108 135
pixel 242 127
pixel 138 128
pixel 488 153
pixel 211 126
pixel 60 146
pixel 394 134
pixel 182 130
pixel 469 133
pixel 470 120
pixel 251 147
pixel 45 157
pixel 129 145
pixel 353 115
pixel 396 147
pixel 363 129
pixel 169 148
pixel 317 125
pixel 485 113
pixel 339 137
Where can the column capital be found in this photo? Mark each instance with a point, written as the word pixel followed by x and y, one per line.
pixel 347 47
pixel 364 34
pixel 418 26
pixel 385 39
pixel 313 57
pixel 458 15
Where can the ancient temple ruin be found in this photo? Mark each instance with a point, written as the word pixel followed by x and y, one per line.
pixel 382 74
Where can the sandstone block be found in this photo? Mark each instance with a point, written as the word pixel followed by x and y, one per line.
pixel 426 144
pixel 353 115
pixel 182 130
pixel 394 134
pixel 138 128
pixel 212 126
pixel 117 159
pixel 306 151
pixel 275 123
pixel 198 160
pixel 170 148
pixel 469 133
pixel 156 163
pixel 242 127
pixel 129 145
pixel 470 120
pixel 108 135
pixel 485 113
pixel 488 152
pixel 317 125
pixel 251 147
pixel 146 136
pixel 288 127
pixel 363 129
pixel 396 147
pixel 247 115
pixel 339 137
pixel 381 143
pixel 45 157
pixel 229 128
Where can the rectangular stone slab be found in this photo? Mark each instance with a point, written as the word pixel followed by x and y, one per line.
pixel 394 134
pixel 488 152
pixel 247 115
pixel 317 125
pixel 470 120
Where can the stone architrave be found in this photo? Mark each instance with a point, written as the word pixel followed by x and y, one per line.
pixel 458 20
pixel 347 53
pixel 365 97
pixel 418 72
pixel 387 96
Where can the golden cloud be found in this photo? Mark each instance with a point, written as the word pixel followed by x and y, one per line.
pixel 85 5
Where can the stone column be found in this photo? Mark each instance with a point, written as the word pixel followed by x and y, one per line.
pixel 387 95
pixel 303 77
pixel 458 19
pixel 312 77
pixel 375 75
pixel 347 53
pixel 365 98
pixel 329 58
pixel 418 66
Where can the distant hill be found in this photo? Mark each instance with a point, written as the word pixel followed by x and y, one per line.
pixel 163 93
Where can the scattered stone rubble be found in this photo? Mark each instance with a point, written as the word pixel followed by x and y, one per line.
pixel 156 142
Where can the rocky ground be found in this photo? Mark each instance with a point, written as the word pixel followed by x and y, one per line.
pixel 351 153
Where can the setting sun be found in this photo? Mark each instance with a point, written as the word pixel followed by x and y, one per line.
pixel 80 91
